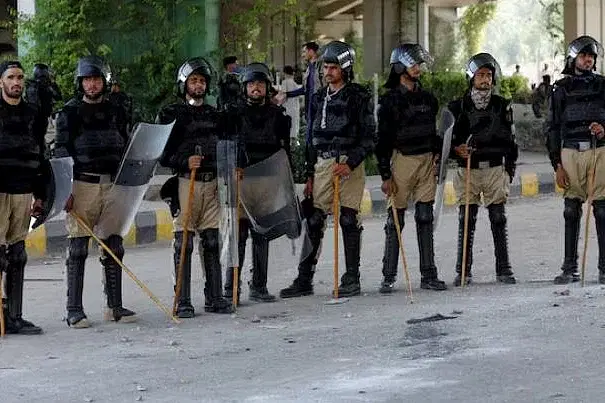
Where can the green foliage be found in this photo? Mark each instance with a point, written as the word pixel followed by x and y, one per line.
pixel 61 31
pixel 516 88
pixel 446 86
pixel 475 19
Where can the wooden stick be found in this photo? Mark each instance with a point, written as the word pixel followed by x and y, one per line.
pixel 591 185
pixel 236 267
pixel 183 252
pixel 2 324
pixel 336 215
pixel 126 269
pixel 467 191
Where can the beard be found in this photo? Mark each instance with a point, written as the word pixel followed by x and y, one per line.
pixel 15 92
pixel 197 95
pixel 93 95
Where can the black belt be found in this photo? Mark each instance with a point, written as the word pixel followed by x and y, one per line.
pixel 579 145
pixel 481 164
pixel 200 176
pixel 94 178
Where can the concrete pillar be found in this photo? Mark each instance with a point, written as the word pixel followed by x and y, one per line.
pixel 585 17
pixel 381 32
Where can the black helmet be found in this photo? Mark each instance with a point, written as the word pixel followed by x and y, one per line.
pixel 92 66
pixel 409 54
pixel 256 72
pixel 483 60
pixel 41 72
pixel 197 64
pixel 340 53
pixel 583 44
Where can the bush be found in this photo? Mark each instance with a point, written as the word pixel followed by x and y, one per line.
pixel 446 86
pixel 516 88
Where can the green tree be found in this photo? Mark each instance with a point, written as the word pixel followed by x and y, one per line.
pixel 473 24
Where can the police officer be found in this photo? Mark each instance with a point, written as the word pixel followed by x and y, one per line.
pixel 573 128
pixel 42 93
pixel 92 131
pixel 230 91
pixel 21 184
pixel 407 149
pixel 262 129
pixel 484 132
pixel 343 126
pixel 120 99
pixel 192 144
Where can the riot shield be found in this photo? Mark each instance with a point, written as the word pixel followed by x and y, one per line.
pixel 446 126
pixel 58 173
pixel 228 195
pixel 138 165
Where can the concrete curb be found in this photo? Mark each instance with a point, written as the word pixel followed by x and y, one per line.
pixel 155 226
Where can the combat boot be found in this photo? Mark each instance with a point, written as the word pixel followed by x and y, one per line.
pixel 424 232
pixel 76 260
pixel 184 308
pixel 497 218
pixel 113 283
pixel 15 277
pixel 390 258
pixel 351 236
pixel 241 251
pixel 213 292
pixel 472 222
pixel 572 214
pixel 260 263
pixel 599 216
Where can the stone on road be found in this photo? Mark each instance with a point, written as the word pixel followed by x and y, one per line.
pixel 529 342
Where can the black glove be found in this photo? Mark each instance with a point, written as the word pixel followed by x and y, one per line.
pixel 510 168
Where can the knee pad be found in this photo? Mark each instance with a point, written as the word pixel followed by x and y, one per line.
pixel 496 213
pixel 17 255
pixel 424 213
pixel 573 209
pixel 178 242
pixel 390 224
pixel 348 219
pixel 473 209
pixel 115 243
pixel 599 209
pixel 316 221
pixel 209 239
pixel 78 248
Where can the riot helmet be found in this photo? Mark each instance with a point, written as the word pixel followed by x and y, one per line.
pixel 92 66
pixel 340 53
pixel 42 72
pixel 583 44
pixel 194 65
pixel 405 56
pixel 256 72
pixel 479 61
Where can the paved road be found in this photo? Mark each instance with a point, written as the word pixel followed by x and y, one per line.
pixel 522 343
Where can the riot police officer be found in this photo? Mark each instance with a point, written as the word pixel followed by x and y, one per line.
pixel 574 131
pixel 230 90
pixel 262 129
pixel 21 158
pixel 94 132
pixel 192 144
pixel 42 92
pixel 407 148
pixel 484 132
pixel 343 128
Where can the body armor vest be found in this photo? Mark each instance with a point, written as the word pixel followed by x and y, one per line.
pixel 200 128
pixel 491 136
pixel 584 104
pixel 98 144
pixel 19 145
pixel 259 132
pixel 333 121
pixel 414 117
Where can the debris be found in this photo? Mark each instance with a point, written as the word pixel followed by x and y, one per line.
pixel 256 319
pixel 125 339
pixel 456 312
pixel 555 305
pixel 173 343
pixel 433 318
pixel 348 315
pixel 563 293
pixel 141 388
pixel 139 398
pixel 88 399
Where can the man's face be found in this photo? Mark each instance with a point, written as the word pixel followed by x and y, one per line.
pixel 12 82
pixel 483 79
pixel 415 71
pixel 585 61
pixel 93 87
pixel 231 67
pixel 332 73
pixel 307 54
pixel 196 86
pixel 256 90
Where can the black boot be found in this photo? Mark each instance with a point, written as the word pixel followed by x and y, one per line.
pixel 184 308
pixel 213 292
pixel 390 258
pixel 113 283
pixel 497 219
pixel 303 284
pixel 599 217
pixel 351 237
pixel 424 232
pixel 241 251
pixel 260 263
pixel 572 214
pixel 472 221
pixel 17 259
pixel 76 260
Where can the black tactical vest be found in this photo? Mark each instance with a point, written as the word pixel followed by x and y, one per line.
pixel 414 115
pixel 487 126
pixel 259 132
pixel 98 144
pixel 200 127
pixel 19 145
pixel 584 104
pixel 334 120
